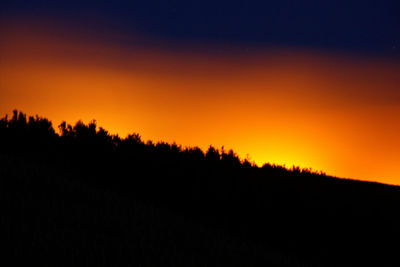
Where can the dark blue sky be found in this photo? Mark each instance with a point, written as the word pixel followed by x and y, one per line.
pixel 348 26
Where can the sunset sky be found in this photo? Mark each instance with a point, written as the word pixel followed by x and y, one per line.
pixel 308 83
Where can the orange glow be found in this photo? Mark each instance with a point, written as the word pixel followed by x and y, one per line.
pixel 335 113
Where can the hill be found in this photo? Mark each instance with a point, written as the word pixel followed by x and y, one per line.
pixel 85 197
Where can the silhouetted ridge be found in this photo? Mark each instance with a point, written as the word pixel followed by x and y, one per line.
pixel 152 204
pixel 37 135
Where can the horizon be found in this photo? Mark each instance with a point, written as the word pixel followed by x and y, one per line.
pixel 322 105
pixel 221 150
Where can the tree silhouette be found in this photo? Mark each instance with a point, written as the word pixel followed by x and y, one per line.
pixel 115 192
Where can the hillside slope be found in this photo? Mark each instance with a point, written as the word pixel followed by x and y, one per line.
pixel 84 197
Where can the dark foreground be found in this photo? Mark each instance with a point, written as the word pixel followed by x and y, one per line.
pixel 85 198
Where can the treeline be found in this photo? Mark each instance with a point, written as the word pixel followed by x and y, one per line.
pixel 34 135
pixel 319 219
pixel 186 179
pixel 165 174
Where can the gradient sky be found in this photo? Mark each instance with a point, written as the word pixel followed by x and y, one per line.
pixel 310 83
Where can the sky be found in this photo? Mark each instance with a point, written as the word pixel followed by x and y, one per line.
pixel 306 83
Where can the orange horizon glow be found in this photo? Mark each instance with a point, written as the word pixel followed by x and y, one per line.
pixel 334 113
